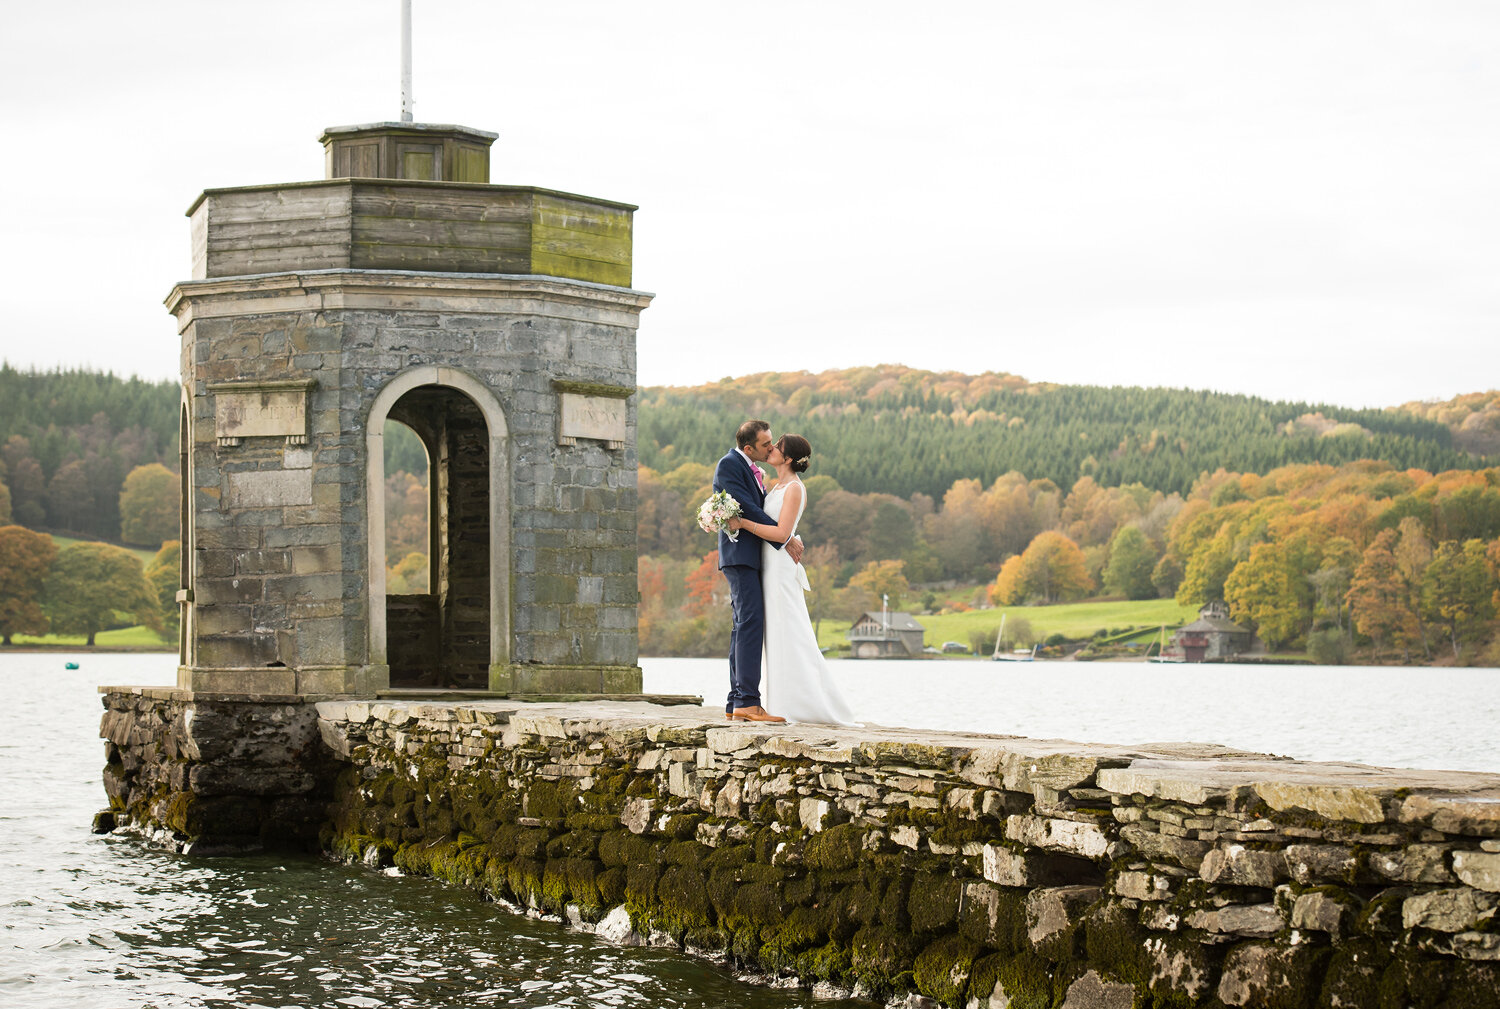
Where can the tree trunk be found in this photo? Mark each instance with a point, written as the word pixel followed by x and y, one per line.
pixel 91 639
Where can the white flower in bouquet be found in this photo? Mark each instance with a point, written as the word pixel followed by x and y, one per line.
pixel 715 513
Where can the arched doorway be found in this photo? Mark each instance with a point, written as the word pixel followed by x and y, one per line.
pixel 457 631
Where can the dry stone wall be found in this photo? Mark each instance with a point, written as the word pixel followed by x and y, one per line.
pixel 978 871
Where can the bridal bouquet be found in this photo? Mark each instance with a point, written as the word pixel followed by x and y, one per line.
pixel 715 513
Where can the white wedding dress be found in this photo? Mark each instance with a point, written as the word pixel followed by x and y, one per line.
pixel 795 682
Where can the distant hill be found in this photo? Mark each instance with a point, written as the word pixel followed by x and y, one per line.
pixel 1474 419
pixel 902 430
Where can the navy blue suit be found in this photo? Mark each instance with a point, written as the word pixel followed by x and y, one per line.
pixel 740 562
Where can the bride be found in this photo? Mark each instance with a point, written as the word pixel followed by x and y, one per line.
pixel 797 684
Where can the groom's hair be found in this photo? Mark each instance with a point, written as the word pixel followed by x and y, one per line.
pixel 749 431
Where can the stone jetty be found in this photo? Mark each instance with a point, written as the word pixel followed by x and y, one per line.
pixel 972 870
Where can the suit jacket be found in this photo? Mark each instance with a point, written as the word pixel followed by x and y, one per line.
pixel 733 475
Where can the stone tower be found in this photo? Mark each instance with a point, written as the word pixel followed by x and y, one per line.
pixel 499 324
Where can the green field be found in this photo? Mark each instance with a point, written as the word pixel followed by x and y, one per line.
pixel 1073 620
pixel 124 637
pixel 143 553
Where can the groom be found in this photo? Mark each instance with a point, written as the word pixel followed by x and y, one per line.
pixel 740 562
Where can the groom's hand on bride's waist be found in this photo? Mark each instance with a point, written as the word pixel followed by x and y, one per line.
pixel 793 549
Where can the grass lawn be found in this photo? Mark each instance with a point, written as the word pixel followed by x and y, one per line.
pixel 144 554
pixel 1075 620
pixel 125 637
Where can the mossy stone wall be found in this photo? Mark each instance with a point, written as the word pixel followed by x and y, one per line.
pixel 977 871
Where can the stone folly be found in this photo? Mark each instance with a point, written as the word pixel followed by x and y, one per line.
pixel 981 871
pixel 498 323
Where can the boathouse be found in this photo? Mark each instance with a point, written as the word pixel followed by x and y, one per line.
pixel 1212 636
pixel 496 322
pixel 886 636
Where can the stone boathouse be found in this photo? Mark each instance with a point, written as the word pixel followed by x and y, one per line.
pixel 499 324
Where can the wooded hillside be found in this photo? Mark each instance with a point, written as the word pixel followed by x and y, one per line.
pixel 903 431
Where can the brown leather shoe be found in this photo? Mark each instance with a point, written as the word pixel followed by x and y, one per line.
pixel 755 714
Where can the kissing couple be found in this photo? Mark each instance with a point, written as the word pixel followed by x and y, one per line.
pixel 766 583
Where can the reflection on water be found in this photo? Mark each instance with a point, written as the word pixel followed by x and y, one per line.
pixel 106 922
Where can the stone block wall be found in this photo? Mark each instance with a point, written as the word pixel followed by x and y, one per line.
pixel 279 531
pixel 979 871
pixel 208 774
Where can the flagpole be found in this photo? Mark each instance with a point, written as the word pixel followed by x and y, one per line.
pixel 406 100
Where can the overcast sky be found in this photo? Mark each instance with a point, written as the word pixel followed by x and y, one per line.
pixel 1295 200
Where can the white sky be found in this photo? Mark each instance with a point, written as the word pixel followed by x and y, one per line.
pixel 1291 199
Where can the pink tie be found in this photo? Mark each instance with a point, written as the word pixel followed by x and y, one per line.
pixel 760 480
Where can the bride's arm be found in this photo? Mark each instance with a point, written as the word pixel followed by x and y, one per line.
pixel 782 530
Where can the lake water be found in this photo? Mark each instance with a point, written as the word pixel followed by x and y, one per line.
pixel 106 922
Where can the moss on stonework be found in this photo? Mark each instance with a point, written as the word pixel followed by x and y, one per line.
pixel 832 963
pixel 933 902
pixel 882 958
pixel 682 901
pixel 1024 979
pixel 941 971
pixel 1115 944
pixel 835 848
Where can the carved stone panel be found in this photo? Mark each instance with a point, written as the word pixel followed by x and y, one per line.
pixel 591 411
pixel 260 410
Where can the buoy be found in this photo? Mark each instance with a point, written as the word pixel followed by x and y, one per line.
pixel 70 665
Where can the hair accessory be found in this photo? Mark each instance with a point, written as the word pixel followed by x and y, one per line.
pixel 804 459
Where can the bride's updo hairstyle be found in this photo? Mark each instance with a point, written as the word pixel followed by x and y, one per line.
pixel 797 449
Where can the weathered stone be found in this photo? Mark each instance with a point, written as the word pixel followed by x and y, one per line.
pixel 1053 910
pixel 1142 885
pixel 1479 869
pixel 1415 863
pixel 1250 920
pixel 727 802
pixel 1179 971
pixel 1477 946
pixel 1270 977
pixel 810 812
pixel 636 816
pixel 1235 863
pixel 1008 867
pixel 1321 863
pixel 1157 846
pixel 1093 992
pixel 1459 909
pixel 1085 839
pixel 1336 802
pixel 1475 814
pixel 1319 912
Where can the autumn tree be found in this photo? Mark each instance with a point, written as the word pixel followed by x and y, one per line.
pixel 164 576
pixel 1132 559
pixel 1458 590
pixel 89 583
pixel 409 576
pixel 1051 569
pixel 4 501
pixel 1008 589
pixel 1413 552
pixel 1205 573
pixel 150 502
pixel 25 558
pixel 883 578
pixel 706 586
pixel 1379 604
pixel 1259 591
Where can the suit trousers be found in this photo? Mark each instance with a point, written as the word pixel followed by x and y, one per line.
pixel 747 637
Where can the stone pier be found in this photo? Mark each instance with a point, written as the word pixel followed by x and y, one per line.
pixel 974 870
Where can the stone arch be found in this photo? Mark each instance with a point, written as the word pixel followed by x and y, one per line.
pixel 499 496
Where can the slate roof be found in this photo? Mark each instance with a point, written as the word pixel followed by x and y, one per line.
pixel 898 621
